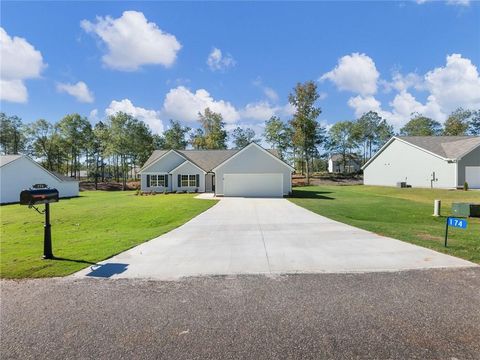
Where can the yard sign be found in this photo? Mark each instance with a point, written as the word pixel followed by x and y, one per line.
pixel 454 222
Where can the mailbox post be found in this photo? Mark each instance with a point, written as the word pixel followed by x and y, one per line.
pixel 41 194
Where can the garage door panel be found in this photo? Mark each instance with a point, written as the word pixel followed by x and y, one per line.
pixel 472 176
pixel 253 185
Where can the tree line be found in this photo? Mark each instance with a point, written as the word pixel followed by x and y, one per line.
pixel 115 147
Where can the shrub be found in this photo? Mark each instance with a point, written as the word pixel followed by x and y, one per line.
pixel 465 186
pixel 138 192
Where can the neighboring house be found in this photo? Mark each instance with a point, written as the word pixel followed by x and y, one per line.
pixel 336 163
pixel 19 172
pixel 251 171
pixel 426 161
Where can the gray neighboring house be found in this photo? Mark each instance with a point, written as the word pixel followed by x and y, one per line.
pixel 336 163
pixel 251 171
pixel 426 161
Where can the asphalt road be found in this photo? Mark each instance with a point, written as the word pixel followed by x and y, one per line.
pixel 421 314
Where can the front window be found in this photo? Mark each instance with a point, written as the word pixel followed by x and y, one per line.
pixel 157 180
pixel 184 180
pixel 192 180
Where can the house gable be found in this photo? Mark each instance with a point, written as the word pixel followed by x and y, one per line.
pixel 165 163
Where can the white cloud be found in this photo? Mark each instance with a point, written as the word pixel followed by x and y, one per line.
pixel 270 93
pixel 182 104
pixel 20 61
pixel 150 117
pixel 132 41
pixel 457 84
pixel 79 91
pixel 454 85
pixel 356 73
pixel 448 2
pixel 93 116
pixel 217 61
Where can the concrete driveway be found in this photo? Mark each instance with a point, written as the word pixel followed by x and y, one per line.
pixel 266 236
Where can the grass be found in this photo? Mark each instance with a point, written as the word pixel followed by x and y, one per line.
pixel 88 229
pixel 404 214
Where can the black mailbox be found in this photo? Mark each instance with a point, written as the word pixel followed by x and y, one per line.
pixel 38 196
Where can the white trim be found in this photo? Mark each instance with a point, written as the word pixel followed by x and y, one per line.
pixel 405 142
pixel 161 157
pixel 183 163
pixel 246 147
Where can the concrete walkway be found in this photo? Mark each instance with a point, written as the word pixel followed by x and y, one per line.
pixel 266 236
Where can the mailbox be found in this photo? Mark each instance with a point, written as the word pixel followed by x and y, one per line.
pixel 38 196
pixel 41 194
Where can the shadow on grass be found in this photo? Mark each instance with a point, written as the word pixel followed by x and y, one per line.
pixel 311 194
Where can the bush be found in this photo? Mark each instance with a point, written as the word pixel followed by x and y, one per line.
pixel 465 186
pixel 138 192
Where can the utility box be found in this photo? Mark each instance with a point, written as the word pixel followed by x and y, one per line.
pixel 466 210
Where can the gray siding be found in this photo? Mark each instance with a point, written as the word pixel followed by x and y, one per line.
pixel 163 166
pixel 188 169
pixel 253 160
pixel 472 159
pixel 403 162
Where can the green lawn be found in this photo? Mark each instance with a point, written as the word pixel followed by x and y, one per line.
pixel 87 229
pixel 404 214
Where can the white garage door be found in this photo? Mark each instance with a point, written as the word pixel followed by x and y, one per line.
pixel 472 176
pixel 261 185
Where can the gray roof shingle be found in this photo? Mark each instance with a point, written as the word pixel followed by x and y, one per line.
pixel 449 147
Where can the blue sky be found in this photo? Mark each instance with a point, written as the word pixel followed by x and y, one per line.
pixel 151 59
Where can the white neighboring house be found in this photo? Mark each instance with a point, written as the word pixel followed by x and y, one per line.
pixel 336 164
pixel 20 172
pixel 426 161
pixel 251 171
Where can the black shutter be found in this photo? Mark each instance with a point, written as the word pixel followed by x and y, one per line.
pixel 166 180
pixel 148 180
pixel 198 181
pixel 179 180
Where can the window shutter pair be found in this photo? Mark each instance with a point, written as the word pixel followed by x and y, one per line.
pixel 197 180
pixel 148 180
pixel 179 180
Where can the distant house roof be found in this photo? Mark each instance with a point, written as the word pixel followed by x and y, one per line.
pixel 204 159
pixel 62 177
pixel 7 159
pixel 445 147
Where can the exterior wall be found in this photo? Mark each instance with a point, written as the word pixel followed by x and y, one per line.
pixel 21 174
pixel 403 162
pixel 472 159
pixel 337 166
pixel 188 169
pixel 253 160
pixel 163 166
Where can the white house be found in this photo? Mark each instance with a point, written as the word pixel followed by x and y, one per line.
pixel 251 171
pixel 19 172
pixel 426 161
pixel 337 165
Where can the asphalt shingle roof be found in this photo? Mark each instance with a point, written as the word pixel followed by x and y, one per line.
pixel 450 147
pixel 205 159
